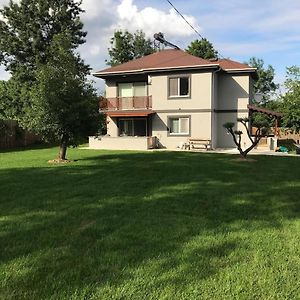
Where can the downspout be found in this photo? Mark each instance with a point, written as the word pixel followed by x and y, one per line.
pixel 213 113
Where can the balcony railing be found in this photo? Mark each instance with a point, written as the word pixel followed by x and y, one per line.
pixel 126 103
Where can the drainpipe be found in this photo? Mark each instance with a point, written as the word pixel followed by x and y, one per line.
pixel 213 104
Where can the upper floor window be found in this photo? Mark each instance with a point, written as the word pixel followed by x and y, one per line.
pixel 135 89
pixel 179 86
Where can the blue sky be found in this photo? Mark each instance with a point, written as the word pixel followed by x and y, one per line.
pixel 238 29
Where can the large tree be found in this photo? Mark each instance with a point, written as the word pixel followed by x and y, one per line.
pixel 126 46
pixel 38 41
pixel 202 48
pixel 264 84
pixel 291 99
pixel 28 28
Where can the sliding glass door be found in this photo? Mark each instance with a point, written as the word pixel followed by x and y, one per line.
pixel 136 89
pixel 133 127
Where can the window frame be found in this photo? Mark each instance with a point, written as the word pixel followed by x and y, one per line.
pixel 169 118
pixel 178 77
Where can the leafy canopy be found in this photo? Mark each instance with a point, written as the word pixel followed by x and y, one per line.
pixel 291 100
pixel 264 84
pixel 63 105
pixel 202 48
pixel 10 105
pixel 38 42
pixel 126 46
pixel 28 29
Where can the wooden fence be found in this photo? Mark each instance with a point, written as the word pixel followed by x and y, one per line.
pixel 288 135
pixel 12 136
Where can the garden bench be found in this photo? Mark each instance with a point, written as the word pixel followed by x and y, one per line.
pixel 195 143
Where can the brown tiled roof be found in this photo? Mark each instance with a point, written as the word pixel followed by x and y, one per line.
pixel 228 64
pixel 170 59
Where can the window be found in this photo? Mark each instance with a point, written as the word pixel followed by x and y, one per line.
pixel 133 127
pixel 179 125
pixel 137 89
pixel 125 90
pixel 179 86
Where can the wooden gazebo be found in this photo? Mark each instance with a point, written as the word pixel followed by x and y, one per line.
pixel 276 115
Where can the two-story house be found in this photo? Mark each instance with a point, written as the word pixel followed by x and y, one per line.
pixel 164 98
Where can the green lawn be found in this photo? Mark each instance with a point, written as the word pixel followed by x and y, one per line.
pixel 155 225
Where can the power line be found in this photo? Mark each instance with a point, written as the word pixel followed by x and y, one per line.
pixel 182 16
pixel 196 31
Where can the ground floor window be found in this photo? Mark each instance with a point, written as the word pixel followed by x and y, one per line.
pixel 179 125
pixel 133 127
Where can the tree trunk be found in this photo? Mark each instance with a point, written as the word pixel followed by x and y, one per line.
pixel 63 148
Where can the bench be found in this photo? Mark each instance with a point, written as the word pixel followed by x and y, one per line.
pixel 194 143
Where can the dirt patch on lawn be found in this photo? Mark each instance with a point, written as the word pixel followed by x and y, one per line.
pixel 244 159
pixel 86 224
pixel 60 161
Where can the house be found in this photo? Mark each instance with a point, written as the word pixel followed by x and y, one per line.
pixel 163 99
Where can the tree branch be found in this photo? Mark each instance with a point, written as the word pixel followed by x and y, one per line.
pixel 247 130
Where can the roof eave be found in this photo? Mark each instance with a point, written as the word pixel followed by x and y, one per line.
pixel 246 70
pixel 251 71
pixel 154 70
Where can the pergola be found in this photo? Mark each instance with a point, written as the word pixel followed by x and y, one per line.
pixel 277 115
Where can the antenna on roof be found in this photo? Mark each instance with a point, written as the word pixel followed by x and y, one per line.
pixel 159 40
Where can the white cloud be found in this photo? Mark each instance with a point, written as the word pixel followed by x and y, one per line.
pixel 96 9
pixel 152 20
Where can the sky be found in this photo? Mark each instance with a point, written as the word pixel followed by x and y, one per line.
pixel 267 29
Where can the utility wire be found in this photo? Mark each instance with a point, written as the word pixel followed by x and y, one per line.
pixel 182 16
pixel 196 31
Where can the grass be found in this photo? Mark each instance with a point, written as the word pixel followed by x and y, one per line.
pixel 155 225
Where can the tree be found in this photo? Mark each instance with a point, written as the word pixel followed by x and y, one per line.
pixel 126 46
pixel 64 106
pixel 262 129
pixel 10 104
pixel 264 84
pixel 28 29
pixel 202 48
pixel 275 105
pixel 38 39
pixel 3 100
pixel 291 100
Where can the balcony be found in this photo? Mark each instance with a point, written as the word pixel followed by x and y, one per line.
pixel 126 103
